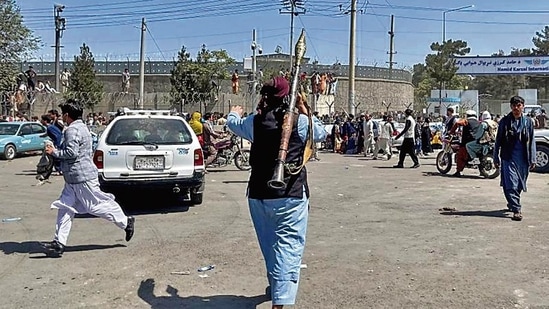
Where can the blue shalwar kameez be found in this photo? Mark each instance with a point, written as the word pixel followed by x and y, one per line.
pixel 281 223
pixel 518 152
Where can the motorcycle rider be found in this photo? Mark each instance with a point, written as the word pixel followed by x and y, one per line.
pixel 469 126
pixel 485 133
pixel 209 134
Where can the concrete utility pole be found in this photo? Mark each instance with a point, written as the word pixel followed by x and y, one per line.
pixel 255 48
pixel 296 8
pixel 352 59
pixel 392 44
pixel 142 64
pixel 59 27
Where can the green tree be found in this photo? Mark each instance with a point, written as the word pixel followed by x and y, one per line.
pixel 441 65
pixel 541 43
pixel 16 42
pixel 199 80
pixel 83 85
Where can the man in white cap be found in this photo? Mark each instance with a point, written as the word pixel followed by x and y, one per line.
pixel 484 134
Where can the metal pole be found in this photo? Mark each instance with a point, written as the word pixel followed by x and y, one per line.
pixel 443 27
pixel 292 36
pixel 254 67
pixel 392 44
pixel 142 64
pixel 59 25
pixel 352 59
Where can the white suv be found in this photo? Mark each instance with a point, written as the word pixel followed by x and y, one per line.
pixel 150 150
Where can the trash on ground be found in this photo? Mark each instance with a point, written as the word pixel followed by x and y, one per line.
pixel 180 273
pixel 303 266
pixel 448 209
pixel 206 268
pixel 11 219
pixel 203 276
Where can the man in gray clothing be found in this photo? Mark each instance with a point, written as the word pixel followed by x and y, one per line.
pixel 81 193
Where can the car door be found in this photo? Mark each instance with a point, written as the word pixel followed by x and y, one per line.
pixel 25 138
pixel 38 136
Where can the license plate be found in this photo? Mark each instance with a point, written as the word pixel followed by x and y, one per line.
pixel 149 163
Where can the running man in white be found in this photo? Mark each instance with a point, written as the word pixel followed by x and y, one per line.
pixel 81 193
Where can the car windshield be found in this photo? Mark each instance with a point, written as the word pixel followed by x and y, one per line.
pixel 142 131
pixel 8 128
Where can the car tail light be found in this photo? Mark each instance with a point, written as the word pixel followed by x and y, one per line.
pixel 198 157
pixel 98 159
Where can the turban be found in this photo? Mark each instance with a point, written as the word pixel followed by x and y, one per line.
pixel 277 87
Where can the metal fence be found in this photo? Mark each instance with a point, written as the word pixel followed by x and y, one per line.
pixel 165 68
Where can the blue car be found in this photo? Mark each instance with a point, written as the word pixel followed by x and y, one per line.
pixel 20 137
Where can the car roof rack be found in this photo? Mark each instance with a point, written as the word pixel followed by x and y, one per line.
pixel 132 112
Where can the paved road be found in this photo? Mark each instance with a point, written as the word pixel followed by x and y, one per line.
pixel 376 239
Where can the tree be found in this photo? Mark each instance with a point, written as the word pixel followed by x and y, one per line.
pixel 441 66
pixel 82 84
pixel 16 42
pixel 541 43
pixel 198 80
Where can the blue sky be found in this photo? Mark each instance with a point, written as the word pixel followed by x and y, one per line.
pixel 111 28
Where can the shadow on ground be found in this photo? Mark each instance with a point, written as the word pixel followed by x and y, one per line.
pixel 501 213
pixel 451 175
pixel 34 247
pixel 174 300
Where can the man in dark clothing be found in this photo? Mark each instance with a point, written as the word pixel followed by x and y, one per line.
pixel 470 125
pixel 31 77
pixel 450 120
pixel 279 215
pixel 408 144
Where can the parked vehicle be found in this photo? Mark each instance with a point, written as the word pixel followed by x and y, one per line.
pixel 20 137
pixel 144 150
pixel 542 150
pixel 446 157
pixel 228 149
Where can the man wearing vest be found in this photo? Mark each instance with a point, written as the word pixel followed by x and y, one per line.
pixel 408 144
pixel 485 134
pixel 470 125
pixel 279 216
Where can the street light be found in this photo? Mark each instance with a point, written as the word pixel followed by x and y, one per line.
pixel 444 19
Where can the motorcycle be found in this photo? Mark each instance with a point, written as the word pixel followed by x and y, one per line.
pixel 451 146
pixel 229 150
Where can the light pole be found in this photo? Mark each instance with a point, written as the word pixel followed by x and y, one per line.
pixel 442 85
pixel 255 47
pixel 444 19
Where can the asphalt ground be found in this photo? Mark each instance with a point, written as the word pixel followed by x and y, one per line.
pixel 378 237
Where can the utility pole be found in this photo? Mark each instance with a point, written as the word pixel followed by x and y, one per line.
pixel 392 45
pixel 295 8
pixel 59 27
pixel 142 64
pixel 352 59
pixel 255 48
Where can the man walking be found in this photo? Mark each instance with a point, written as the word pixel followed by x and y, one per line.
pixel 408 143
pixel 81 193
pixel 386 132
pixel 279 215
pixel 516 147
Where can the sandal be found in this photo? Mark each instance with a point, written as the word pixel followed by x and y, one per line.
pixel 517 216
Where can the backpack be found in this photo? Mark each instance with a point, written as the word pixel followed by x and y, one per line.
pixel 490 133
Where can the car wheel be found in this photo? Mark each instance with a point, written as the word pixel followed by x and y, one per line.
pixel 9 152
pixel 196 198
pixel 542 159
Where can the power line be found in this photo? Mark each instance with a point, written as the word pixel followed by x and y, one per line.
pixel 155 43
